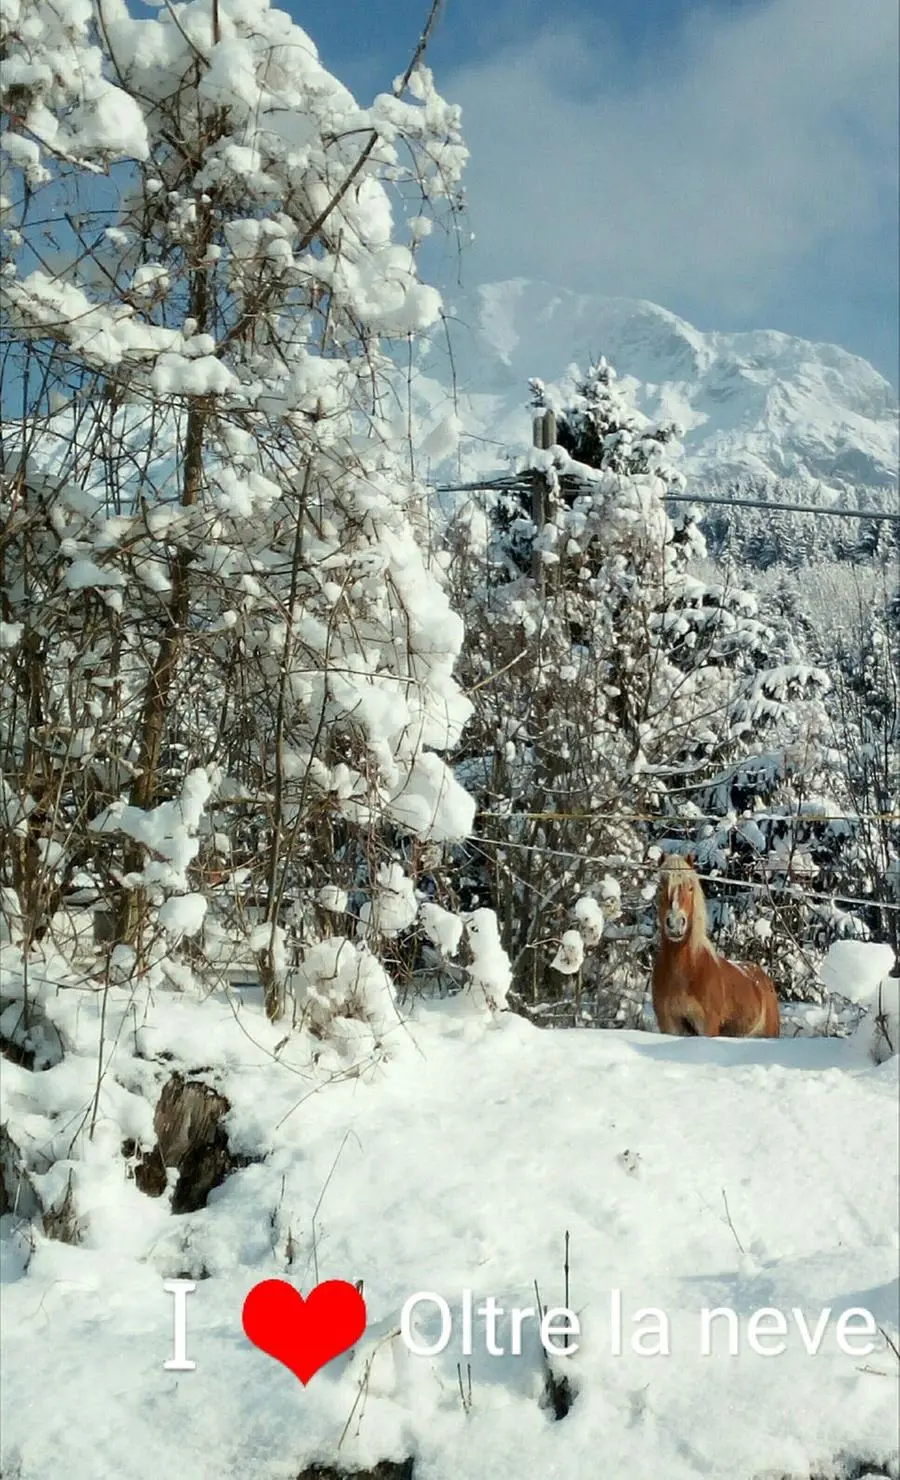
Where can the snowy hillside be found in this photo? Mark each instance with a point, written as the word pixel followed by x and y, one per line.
pixel 691 1176
pixel 758 403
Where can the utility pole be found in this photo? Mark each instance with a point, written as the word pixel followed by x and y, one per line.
pixel 544 437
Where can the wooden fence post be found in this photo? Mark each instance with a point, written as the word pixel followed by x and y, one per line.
pixel 543 436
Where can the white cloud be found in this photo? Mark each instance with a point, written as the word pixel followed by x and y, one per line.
pixel 761 140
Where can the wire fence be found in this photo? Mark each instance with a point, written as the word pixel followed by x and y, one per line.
pixel 519 484
pixel 684 818
pixel 789 889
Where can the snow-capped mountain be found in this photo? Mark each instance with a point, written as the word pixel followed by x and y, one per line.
pixel 762 402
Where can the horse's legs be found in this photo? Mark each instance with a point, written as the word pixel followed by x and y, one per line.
pixel 702 1023
pixel 689 1021
pixel 667 1021
pixel 676 1023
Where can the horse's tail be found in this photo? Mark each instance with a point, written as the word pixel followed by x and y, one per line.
pixel 772 1011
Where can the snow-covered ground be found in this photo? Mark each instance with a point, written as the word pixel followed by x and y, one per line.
pixel 689 1174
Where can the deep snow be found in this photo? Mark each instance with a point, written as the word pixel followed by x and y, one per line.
pixel 459 1161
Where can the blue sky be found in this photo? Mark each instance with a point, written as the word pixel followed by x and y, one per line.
pixel 736 161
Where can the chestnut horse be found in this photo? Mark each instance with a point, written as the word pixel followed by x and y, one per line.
pixel 695 990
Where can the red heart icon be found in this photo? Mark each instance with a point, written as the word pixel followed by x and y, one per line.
pixel 304 1334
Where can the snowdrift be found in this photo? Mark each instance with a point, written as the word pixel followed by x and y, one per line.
pixel 691 1176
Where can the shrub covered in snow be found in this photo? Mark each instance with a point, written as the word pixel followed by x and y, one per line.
pixel 228 651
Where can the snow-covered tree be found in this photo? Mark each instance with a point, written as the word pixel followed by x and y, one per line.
pixel 598 426
pixel 819 839
pixel 754 535
pixel 618 680
pixel 227 652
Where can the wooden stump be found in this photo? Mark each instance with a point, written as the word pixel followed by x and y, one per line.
pixel 191 1138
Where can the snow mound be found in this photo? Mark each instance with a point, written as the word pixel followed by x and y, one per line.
pixel 856 969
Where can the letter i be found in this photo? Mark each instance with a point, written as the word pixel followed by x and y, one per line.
pixel 180 1289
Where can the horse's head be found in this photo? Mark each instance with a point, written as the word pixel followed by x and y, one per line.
pixel 679 889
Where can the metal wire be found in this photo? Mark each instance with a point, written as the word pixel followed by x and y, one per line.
pixel 746 503
pixel 512 484
pixel 796 893
pixel 688 817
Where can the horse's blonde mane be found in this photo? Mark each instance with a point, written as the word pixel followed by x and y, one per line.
pixel 680 872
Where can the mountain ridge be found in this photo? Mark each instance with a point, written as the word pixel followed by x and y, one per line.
pixel 751 403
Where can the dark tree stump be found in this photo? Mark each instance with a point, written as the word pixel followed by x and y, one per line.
pixel 386 1469
pixel 190 1138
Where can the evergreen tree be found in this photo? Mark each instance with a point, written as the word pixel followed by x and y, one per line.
pixel 613 682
